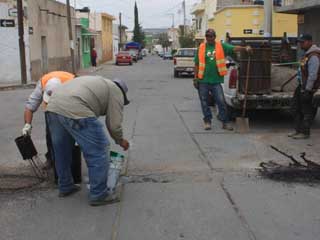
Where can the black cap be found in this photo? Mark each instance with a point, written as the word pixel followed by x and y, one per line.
pixel 211 32
pixel 304 37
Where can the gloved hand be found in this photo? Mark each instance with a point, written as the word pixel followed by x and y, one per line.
pixel 26 130
pixel 196 83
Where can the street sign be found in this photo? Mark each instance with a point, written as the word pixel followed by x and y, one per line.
pixel 7 23
pixel 13 12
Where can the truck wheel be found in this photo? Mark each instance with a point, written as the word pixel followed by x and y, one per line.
pixel 176 74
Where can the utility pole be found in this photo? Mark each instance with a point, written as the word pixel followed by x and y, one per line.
pixel 120 31
pixel 23 67
pixel 70 37
pixel 268 9
pixel 184 17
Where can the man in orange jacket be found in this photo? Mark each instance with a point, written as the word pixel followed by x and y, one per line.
pixel 41 94
pixel 210 69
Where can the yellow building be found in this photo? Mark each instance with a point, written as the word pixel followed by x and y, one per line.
pixel 248 21
pixel 107 38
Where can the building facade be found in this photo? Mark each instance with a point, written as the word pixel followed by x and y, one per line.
pixel 308 12
pixel 115 39
pixel 248 21
pixel 46 38
pixel 9 44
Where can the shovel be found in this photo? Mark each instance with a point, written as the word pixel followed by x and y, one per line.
pixel 242 123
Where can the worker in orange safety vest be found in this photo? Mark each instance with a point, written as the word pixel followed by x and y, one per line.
pixel 210 69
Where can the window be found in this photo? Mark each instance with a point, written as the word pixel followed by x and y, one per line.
pixel 186 52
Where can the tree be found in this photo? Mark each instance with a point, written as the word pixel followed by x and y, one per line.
pixel 138 35
pixel 186 39
pixel 164 40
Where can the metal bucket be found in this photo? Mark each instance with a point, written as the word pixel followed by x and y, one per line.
pixel 26 147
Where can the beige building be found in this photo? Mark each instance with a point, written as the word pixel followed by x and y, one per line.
pixel 48 37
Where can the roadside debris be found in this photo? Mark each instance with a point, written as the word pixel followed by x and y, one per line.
pixel 306 171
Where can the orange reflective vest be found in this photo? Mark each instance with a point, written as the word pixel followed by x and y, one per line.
pixel 220 60
pixel 63 76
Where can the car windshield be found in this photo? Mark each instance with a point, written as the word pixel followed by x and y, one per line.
pixel 123 53
pixel 186 52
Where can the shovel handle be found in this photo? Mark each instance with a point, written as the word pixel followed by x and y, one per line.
pixel 244 108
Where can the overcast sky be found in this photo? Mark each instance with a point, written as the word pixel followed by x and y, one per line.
pixel 152 13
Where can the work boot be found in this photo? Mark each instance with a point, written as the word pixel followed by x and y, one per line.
pixel 292 134
pixel 227 126
pixel 67 194
pixel 207 125
pixel 111 198
pixel 301 136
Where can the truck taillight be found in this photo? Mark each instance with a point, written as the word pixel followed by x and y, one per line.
pixel 233 78
pixel 174 61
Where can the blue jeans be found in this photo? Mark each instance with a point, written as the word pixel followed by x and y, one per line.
pixel 217 93
pixel 89 134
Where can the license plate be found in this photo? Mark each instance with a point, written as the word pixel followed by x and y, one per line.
pixel 124 57
pixel 190 69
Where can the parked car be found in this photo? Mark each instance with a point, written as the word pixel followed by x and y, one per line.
pixel 123 58
pixel 167 55
pixel 160 53
pixel 134 55
pixel 184 61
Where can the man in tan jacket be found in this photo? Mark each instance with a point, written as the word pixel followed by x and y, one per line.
pixel 73 112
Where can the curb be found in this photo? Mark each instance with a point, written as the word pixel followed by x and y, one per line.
pixel 17 86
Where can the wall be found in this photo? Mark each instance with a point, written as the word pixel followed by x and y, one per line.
pixel 9 48
pixel 115 40
pixel 47 24
pixel 235 19
pixel 311 25
pixel 107 45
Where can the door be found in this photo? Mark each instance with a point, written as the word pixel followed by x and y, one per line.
pixel 44 54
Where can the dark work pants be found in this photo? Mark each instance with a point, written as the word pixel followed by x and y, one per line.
pixel 49 155
pixel 303 111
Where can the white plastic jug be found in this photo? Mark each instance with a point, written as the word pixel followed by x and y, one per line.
pixel 115 167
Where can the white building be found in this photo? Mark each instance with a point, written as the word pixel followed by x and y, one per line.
pixel 116 39
pixel 9 45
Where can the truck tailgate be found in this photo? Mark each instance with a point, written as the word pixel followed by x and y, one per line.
pixel 185 62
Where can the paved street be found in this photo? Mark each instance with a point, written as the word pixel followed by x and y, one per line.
pixel 183 182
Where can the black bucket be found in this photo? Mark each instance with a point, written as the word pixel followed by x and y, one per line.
pixel 26 147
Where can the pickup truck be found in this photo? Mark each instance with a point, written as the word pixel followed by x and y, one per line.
pixel 278 95
pixel 184 61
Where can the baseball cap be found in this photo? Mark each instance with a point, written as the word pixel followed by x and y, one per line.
pixel 124 89
pixel 52 84
pixel 304 37
pixel 210 32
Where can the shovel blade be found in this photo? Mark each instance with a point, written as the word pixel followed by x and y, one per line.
pixel 242 125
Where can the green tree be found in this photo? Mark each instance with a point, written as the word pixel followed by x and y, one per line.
pixel 164 40
pixel 138 35
pixel 186 39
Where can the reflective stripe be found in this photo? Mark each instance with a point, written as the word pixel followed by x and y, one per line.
pixel 220 61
